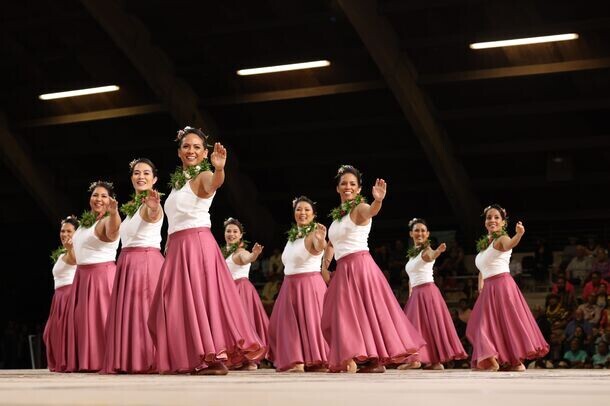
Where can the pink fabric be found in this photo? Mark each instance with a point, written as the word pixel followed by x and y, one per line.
pixel 427 310
pixel 295 335
pixel 54 335
pixel 194 320
pixel 362 319
pixel 254 308
pixel 501 325
pixel 89 303
pixel 129 347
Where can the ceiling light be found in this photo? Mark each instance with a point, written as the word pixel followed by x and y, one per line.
pixel 282 68
pixel 81 92
pixel 523 41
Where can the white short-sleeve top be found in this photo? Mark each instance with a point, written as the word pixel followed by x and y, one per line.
pixel 347 237
pixel 297 259
pixel 184 209
pixel 63 273
pixel 237 271
pixel 135 232
pixel 88 249
pixel 492 261
pixel 419 271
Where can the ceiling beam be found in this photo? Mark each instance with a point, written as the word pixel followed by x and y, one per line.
pixel 94 115
pixel 298 93
pixel 37 182
pixel 515 71
pixel 463 39
pixel 134 39
pixel 383 45
pixel 560 106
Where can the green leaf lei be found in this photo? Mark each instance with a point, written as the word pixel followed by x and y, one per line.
pixel 180 176
pixel 129 209
pixel 300 232
pixel 226 252
pixel 88 218
pixel 55 254
pixel 484 241
pixel 346 207
pixel 417 249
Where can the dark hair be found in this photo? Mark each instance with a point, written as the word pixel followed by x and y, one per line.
pixel 304 199
pixel 496 206
pixel 106 185
pixel 417 220
pixel 146 161
pixel 191 130
pixel 71 219
pixel 343 169
pixel 235 222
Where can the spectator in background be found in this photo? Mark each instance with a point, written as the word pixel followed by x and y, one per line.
pixel 579 320
pixel 601 263
pixel 464 310
pixel 593 286
pixel 601 359
pixel 591 311
pixel 602 296
pixel 556 314
pixel 580 266
pixel 543 258
pixel 565 291
pixel 275 262
pixel 575 357
pixel 569 251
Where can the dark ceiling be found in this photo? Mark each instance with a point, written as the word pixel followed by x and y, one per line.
pixel 451 129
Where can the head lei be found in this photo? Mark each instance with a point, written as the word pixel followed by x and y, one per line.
pixel 305 199
pixel 501 209
pixel 106 185
pixel 188 130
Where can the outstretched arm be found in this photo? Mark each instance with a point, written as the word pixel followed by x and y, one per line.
pixel 506 243
pixel 364 212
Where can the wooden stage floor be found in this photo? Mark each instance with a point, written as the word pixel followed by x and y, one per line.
pixel 266 387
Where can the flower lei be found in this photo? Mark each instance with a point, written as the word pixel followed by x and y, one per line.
pixel 227 252
pixel 137 199
pixel 55 254
pixel 346 207
pixel 180 176
pixel 417 249
pixel 484 241
pixel 296 232
pixel 88 218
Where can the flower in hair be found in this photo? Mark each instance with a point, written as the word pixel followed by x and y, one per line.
pixel 294 202
pixel 342 169
pixel 95 184
pixel 133 163
pixel 413 221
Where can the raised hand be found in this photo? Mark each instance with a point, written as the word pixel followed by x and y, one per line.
pixel 219 156
pixel 320 232
pixel 152 199
pixel 257 249
pixel 379 189
pixel 113 208
pixel 442 247
pixel 519 229
pixel 68 244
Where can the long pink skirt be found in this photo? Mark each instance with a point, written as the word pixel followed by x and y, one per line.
pixel 501 325
pixel 362 319
pixel 54 335
pixel 427 310
pixel 129 347
pixel 196 317
pixel 254 308
pixel 89 304
pixel 295 335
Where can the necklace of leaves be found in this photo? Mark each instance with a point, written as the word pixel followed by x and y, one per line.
pixel 88 218
pixel 296 232
pixel 228 249
pixel 180 176
pixel 346 207
pixel 417 249
pixel 137 199
pixel 55 254
pixel 486 239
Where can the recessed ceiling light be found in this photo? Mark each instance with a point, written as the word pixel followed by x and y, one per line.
pixel 81 92
pixel 523 41
pixel 283 68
